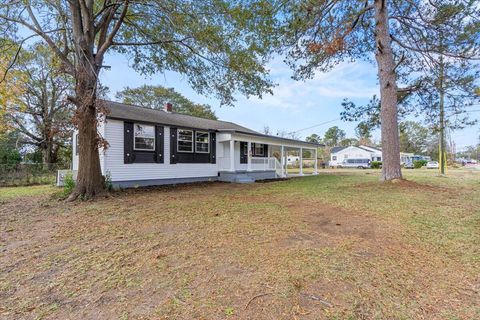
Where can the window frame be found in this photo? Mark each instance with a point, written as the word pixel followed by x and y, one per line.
pixel 208 141
pixel 255 149
pixel 334 158
pixel 191 140
pixel 135 136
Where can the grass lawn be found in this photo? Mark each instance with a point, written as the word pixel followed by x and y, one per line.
pixel 340 245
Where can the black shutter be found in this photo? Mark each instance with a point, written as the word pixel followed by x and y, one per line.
pixel 128 155
pixel 265 150
pixel 159 141
pixel 213 148
pixel 173 145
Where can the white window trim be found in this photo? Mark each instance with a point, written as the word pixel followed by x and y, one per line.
pixel 134 136
pixel 178 140
pixel 263 149
pixel 208 142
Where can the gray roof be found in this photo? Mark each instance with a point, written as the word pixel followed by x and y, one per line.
pixel 374 148
pixel 336 149
pixel 122 111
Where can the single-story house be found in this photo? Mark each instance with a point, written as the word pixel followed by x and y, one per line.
pixel 155 147
pixel 338 154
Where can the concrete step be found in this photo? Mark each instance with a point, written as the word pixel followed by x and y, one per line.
pixel 244 179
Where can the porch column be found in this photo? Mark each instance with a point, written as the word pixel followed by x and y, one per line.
pixel 232 155
pixel 249 156
pixel 315 171
pixel 283 162
pixel 301 161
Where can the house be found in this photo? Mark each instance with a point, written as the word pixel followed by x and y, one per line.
pixel 155 147
pixel 339 154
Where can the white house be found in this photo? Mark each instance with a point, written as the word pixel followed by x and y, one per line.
pixel 338 154
pixel 155 147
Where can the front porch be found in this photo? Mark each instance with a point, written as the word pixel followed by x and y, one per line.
pixel 246 158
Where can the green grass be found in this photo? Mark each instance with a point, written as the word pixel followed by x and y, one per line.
pixel 19 192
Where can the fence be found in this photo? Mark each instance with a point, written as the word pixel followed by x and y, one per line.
pixel 28 174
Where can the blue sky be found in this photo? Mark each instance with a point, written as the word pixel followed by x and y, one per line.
pixel 294 105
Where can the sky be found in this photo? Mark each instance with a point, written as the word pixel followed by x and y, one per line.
pixel 294 105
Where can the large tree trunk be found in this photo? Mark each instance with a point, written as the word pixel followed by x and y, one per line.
pixel 90 181
pixel 388 94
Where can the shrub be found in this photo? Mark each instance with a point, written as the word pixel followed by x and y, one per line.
pixel 419 163
pixel 376 164
pixel 68 185
pixel 108 181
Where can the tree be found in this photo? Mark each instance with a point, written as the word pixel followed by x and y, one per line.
pixel 363 132
pixel 333 136
pixel 348 142
pixel 155 97
pixel 9 153
pixel 215 44
pixel 321 34
pixel 315 138
pixel 414 137
pixel 42 113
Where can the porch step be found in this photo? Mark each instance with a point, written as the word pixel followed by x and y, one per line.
pixel 244 179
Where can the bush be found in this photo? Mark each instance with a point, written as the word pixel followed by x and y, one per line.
pixel 68 185
pixel 376 164
pixel 108 181
pixel 417 164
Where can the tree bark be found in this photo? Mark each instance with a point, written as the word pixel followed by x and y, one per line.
pixel 90 182
pixel 442 156
pixel 388 95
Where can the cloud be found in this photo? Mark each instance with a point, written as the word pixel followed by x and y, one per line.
pixel 347 80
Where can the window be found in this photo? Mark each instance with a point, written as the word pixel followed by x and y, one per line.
pixel 258 149
pixel 345 156
pixel 334 158
pixel 202 142
pixel 185 141
pixel 144 137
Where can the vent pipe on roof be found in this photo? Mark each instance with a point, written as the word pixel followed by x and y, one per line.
pixel 168 107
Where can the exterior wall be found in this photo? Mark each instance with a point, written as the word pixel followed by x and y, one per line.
pixel 148 171
pixel 349 153
pixel 101 130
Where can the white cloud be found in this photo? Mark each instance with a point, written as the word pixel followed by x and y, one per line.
pixel 347 80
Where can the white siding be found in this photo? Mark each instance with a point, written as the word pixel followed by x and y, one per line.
pixel 148 171
pixel 101 131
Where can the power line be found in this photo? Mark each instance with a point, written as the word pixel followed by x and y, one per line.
pixel 317 125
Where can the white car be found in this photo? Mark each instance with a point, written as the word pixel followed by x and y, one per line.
pixel 432 165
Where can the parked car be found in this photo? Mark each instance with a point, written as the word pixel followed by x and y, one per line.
pixel 432 165
pixel 409 165
pixel 355 163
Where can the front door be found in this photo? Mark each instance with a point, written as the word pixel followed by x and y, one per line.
pixel 243 152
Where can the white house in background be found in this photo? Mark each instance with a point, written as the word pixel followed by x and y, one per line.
pixel 291 160
pixel 339 154
pixel 155 147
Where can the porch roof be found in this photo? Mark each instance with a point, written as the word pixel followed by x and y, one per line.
pixel 276 139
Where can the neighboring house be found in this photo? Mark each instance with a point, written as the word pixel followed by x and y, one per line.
pixel 293 160
pixel 338 154
pixel 155 147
